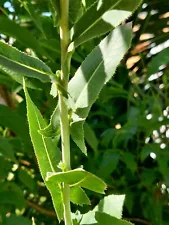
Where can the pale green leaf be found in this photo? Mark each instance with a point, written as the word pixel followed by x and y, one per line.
pixel 78 196
pixel 105 219
pixel 16 63
pixel 102 17
pixel 78 177
pixel 111 204
pixel 48 156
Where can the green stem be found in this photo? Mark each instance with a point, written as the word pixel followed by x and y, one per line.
pixel 64 121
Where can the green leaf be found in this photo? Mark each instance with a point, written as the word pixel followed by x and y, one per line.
pixel 53 129
pixel 55 10
pixel 75 10
pixel 27 180
pixel 102 17
pixel 130 161
pixel 16 63
pixel 160 59
pixel 30 8
pixel 21 34
pixel 10 193
pixel 95 71
pixel 48 156
pixel 105 219
pixel 90 136
pixel 78 177
pixel 109 162
pixel 112 205
pixel 11 119
pixel 78 196
pixel 6 149
pixel 77 134
pixel 19 220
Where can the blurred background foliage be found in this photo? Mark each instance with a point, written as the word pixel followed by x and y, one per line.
pixel 127 132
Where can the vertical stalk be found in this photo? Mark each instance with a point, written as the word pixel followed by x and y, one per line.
pixel 64 121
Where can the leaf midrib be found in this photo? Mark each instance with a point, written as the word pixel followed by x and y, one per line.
pixel 28 67
pixel 89 27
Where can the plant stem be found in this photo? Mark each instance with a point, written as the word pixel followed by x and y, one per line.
pixel 64 121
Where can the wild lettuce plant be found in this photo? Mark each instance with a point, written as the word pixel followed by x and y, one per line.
pixel 76 23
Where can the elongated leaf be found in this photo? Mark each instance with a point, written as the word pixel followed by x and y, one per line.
pixel 78 177
pixel 112 205
pixel 102 17
pixel 105 219
pixel 95 71
pixel 47 154
pixel 16 63
pixel 19 33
